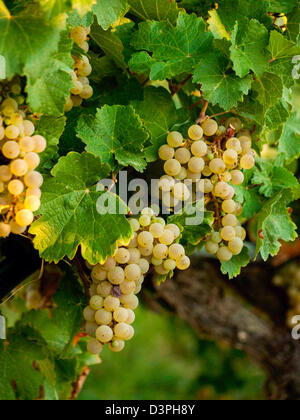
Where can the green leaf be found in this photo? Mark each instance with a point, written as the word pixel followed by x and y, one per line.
pixel 293 26
pixel 248 196
pixel 154 9
pixel 194 226
pixel 51 128
pixel 58 327
pixel 110 44
pixel 289 142
pixel 49 88
pixel 53 8
pixel 26 40
pixel 281 6
pixel 159 116
pixel 282 52
pixel 116 135
pixel 231 11
pixel 216 26
pixel 272 179
pixel 276 115
pixel 269 89
pixel 249 40
pixel 70 213
pixel 220 86
pixel 175 50
pixel 233 267
pixel 16 358
pixel 74 19
pixel 108 12
pixel 275 224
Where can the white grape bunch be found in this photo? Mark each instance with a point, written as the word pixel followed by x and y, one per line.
pixel 82 69
pixel 20 147
pixel 212 161
pixel 116 283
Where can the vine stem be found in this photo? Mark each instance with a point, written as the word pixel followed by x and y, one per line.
pixel 202 116
pixel 176 88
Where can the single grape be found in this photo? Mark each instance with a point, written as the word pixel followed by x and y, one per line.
pixel 96 302
pixel 228 233
pixel 169 265
pixel 104 334
pixel 131 316
pixel 94 347
pixel 156 230
pixel 199 148
pixel 175 229
pixel 109 264
pixel 166 152
pixel 144 265
pixel 172 167
pixel 27 144
pixel 166 183
pixel 116 276
pixel 133 272
pixel 111 303
pixel 15 228
pixel 11 150
pixel 121 315
pixel 247 161
pixel 235 246
pixel 135 256
pixel 98 274
pixel 103 317
pixel 195 132
pixel 234 122
pixel 89 314
pixel 104 289
pixel 222 189
pixel 122 330
pixel 230 157
pixel 12 132
pixel 15 187
pixel 32 159
pixel 134 223
pixel 216 237
pixel 224 254
pixel 122 256
pixel 217 166
pixel 181 192
pixel 160 251
pixel 210 127
pixel 196 165
pixel 176 251
pixel 229 206
pixel 127 287
pixel 5 173
pixel 183 263
pixel 145 220
pixel 167 237
pixel 40 143
pixel 116 345
pixel 24 217
pixel 33 179
pixel 234 144
pixel 19 168
pixel 174 139
pixel 182 155
pixel 229 220
pixel 129 301
pixel 240 232
pixel 32 203
pixel 211 247
pixel 90 328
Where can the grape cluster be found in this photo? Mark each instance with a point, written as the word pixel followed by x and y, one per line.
pixel 82 69
pixel 289 278
pixel 19 181
pixel 117 282
pixel 210 163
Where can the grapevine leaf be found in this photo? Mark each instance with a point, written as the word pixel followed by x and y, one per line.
pixel 274 224
pixel 74 19
pixel 175 50
pixel 282 52
pixel 115 135
pixel 194 226
pixel 154 9
pixel 51 128
pixel 59 327
pixel 216 26
pixel 269 89
pixel 38 38
pixel 281 6
pixel 272 179
pixel 16 358
pixel 231 11
pixel 289 142
pixel 108 12
pixel 69 142
pixel 248 196
pixel 249 40
pixel 276 115
pixel 233 267
pixel 220 86
pixel 293 25
pixel 53 8
pixel 70 213
pixel 159 116
pixel 49 88
pixel 82 6
pixel 110 44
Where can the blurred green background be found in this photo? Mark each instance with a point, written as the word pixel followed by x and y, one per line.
pixel 166 361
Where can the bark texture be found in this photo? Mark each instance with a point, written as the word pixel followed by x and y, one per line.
pixel 215 307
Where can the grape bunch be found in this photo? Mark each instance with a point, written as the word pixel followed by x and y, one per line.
pixel 289 278
pixel 82 69
pixel 20 182
pixel 209 164
pixel 116 283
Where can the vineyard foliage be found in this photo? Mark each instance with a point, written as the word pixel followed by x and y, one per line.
pixel 154 63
